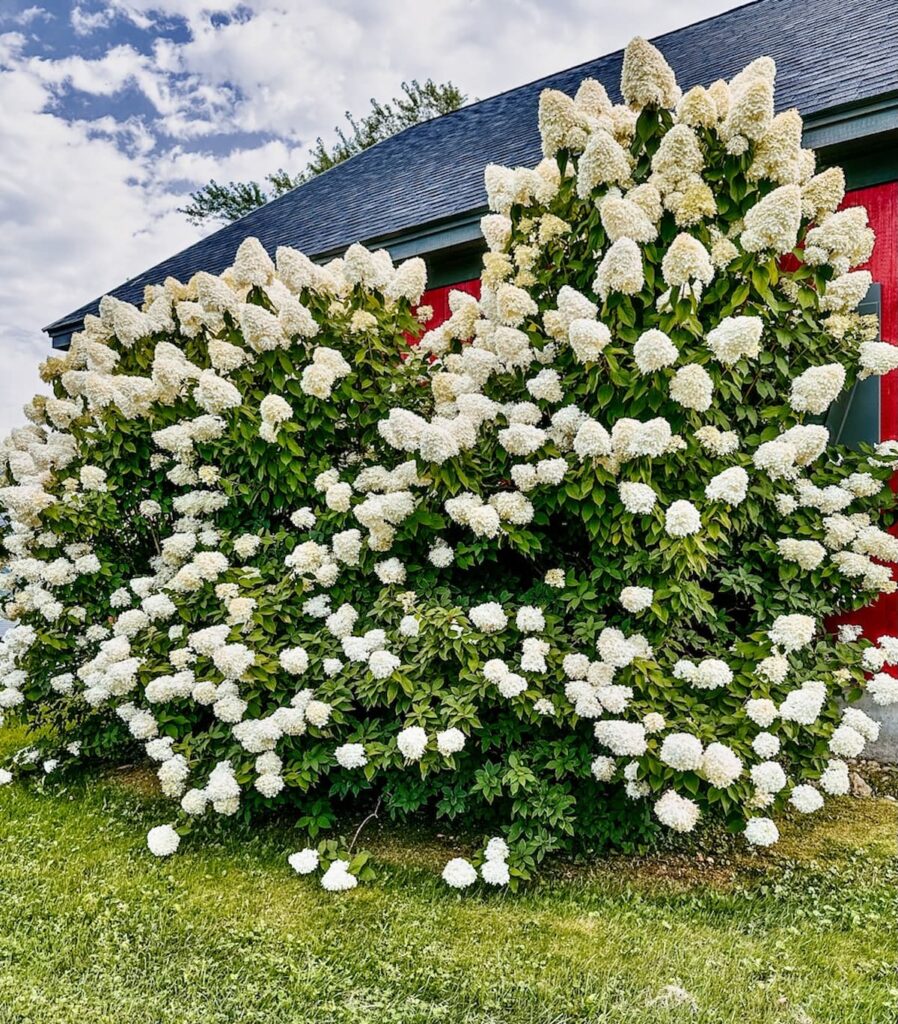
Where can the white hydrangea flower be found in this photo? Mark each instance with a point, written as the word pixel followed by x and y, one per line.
pixel 625 739
pixel 686 262
pixel 772 224
pixel 768 777
pixel 835 780
pixel 639 499
pixel 450 741
pixel 351 755
pixel 232 660
pixel 677 812
pixel 637 599
pixel 603 162
pixel 653 351
pixel 717 442
pixel 303 518
pixel 765 745
pixel 817 388
pixel 588 339
pixel 382 664
pixel 304 862
pixel 621 270
pixel 623 218
pixel 792 632
pixel 682 751
pixel 317 713
pixel 489 617
pixel 845 292
pixel 808 554
pixel 592 441
pixel 682 519
pixel 163 841
pixel 711 674
pixel 803 704
pixel 847 741
pixel 92 478
pixel 735 338
pixel 877 358
pixel 883 689
pixel 603 768
pixel 441 554
pixel 720 765
pixel 391 571
pixel 530 619
pixel 555 578
pixel 646 77
pixel 275 410
pixel 692 387
pixel 806 799
pixel 729 486
pixel 459 873
pixel 615 649
pixel 761 832
pixel 495 872
pixel 412 743
pixel 338 878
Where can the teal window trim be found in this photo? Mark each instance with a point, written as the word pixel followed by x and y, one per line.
pixel 853 419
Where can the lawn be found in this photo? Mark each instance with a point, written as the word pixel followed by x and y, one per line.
pixel 94 929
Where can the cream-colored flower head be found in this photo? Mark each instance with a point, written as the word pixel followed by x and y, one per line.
pixel 646 77
pixel 773 223
pixel 778 154
pixel 620 270
pixel 592 99
pixel 697 109
pixel 604 162
pixel 686 260
pixel 562 124
pixel 823 193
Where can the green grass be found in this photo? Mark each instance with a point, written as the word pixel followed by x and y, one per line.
pixel 93 930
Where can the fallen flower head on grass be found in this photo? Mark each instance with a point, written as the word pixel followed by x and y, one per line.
pixel 304 862
pixel 459 873
pixel 163 841
pixel 337 878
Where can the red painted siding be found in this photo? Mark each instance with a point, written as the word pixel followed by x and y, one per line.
pixel 881 202
pixel 438 299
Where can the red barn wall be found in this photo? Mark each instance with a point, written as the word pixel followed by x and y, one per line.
pixel 438 299
pixel 881 202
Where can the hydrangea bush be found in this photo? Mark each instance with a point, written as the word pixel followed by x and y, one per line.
pixel 561 569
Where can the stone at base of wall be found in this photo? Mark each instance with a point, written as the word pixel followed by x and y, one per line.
pixel 885 749
pixel 859 787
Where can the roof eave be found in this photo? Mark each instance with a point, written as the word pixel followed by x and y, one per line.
pixel 437 236
pixel 852 122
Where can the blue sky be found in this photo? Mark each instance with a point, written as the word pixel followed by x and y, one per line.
pixel 112 110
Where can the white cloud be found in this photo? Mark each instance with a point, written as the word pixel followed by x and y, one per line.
pixel 26 16
pixel 179 165
pixel 84 22
pixel 84 204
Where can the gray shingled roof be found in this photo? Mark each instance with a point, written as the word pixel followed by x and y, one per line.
pixel 829 53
